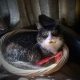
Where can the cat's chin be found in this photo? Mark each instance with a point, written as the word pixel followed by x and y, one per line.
pixel 51 47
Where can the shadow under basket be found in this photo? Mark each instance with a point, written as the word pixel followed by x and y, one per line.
pixel 41 71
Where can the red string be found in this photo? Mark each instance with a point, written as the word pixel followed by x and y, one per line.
pixel 56 57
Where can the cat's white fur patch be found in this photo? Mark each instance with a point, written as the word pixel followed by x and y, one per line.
pixel 54 46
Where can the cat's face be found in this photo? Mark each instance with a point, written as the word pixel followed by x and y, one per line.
pixel 49 39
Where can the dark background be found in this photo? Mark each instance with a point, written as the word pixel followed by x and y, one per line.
pixel 18 14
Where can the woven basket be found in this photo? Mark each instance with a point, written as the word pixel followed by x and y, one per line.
pixel 37 72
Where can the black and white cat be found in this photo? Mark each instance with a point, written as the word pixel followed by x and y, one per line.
pixel 49 37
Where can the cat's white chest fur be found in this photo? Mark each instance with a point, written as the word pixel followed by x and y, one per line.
pixel 52 44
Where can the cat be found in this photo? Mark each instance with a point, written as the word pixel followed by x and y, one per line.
pixel 49 36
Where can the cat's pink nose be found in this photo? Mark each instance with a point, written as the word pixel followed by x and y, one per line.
pixel 52 41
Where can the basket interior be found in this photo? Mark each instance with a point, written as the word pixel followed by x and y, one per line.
pixel 23 39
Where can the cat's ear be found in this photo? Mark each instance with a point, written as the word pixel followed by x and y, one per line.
pixel 46 20
pixel 39 26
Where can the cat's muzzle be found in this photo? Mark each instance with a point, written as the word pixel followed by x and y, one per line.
pixel 52 41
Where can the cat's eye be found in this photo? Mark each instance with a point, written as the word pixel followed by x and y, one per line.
pixel 54 33
pixel 44 34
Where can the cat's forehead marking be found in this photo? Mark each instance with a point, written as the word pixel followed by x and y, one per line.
pixel 49 32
